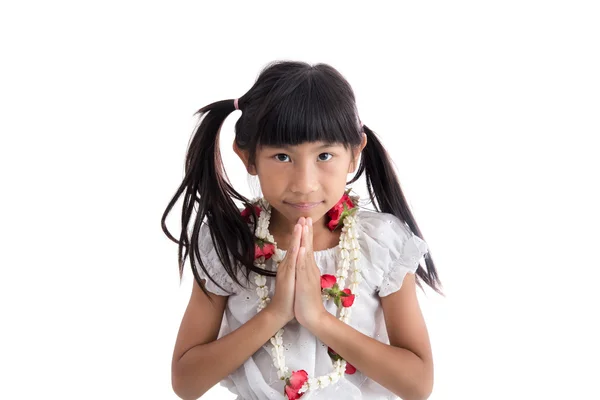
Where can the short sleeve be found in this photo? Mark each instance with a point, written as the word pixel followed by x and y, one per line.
pixel 392 248
pixel 214 266
pixel 404 260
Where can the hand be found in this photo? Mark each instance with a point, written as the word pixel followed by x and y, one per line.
pixel 282 303
pixel 308 303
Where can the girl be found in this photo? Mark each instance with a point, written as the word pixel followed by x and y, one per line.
pixel 301 293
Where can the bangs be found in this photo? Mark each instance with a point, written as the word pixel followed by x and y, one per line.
pixel 312 110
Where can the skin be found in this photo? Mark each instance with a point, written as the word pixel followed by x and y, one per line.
pixel 301 174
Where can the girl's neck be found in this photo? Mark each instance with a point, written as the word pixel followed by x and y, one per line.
pixel 282 228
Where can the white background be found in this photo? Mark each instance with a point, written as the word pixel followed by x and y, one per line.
pixel 489 109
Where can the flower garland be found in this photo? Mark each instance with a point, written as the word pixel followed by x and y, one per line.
pixel 344 212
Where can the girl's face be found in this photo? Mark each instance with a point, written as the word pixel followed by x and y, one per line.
pixel 312 172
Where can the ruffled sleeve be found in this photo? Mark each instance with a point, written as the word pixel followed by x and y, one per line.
pixel 214 266
pixel 392 248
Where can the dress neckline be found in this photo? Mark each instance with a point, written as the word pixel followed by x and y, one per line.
pixel 323 252
pixel 332 250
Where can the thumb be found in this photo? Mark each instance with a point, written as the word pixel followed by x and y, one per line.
pixel 301 258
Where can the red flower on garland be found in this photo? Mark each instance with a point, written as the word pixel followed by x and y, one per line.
pixel 348 299
pixel 262 248
pixel 350 369
pixel 338 212
pixel 327 281
pixel 294 383
pixel 247 213
pixel 329 286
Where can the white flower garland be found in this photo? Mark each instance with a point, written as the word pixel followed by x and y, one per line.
pixel 349 254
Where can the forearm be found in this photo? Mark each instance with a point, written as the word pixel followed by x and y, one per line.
pixel 397 369
pixel 205 365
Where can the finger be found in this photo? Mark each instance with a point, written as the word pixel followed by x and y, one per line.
pixel 295 244
pixel 306 269
pixel 302 267
pixel 297 239
pixel 310 237
pixel 291 254
pixel 301 264
pixel 306 239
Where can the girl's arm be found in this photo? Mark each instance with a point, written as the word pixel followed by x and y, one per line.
pixel 405 366
pixel 200 360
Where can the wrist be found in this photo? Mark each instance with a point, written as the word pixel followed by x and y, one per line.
pixel 318 320
pixel 275 316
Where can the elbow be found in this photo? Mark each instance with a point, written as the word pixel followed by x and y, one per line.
pixel 184 388
pixel 183 391
pixel 180 390
pixel 417 394
pixel 424 386
pixel 421 388
pixel 422 395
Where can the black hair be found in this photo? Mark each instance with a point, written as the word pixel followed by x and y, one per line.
pixel 290 103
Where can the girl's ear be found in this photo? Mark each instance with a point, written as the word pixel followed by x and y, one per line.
pixel 244 156
pixel 356 154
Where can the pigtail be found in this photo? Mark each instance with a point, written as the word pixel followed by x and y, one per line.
pixel 205 175
pixel 290 103
pixel 384 186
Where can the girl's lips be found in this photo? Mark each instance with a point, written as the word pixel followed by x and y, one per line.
pixel 304 206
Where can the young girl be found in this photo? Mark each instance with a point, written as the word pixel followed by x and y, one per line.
pixel 301 292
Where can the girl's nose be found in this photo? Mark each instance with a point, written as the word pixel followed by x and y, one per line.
pixel 304 180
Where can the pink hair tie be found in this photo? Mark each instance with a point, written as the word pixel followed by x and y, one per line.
pixel 235 104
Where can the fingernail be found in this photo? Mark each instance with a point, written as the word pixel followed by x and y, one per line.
pixel 310 222
pixel 305 229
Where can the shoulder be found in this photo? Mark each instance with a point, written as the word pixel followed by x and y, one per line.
pixel 375 218
pixel 384 229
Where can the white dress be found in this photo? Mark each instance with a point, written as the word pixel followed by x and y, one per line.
pixel 389 250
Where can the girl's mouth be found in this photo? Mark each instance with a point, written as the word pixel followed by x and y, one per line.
pixel 304 206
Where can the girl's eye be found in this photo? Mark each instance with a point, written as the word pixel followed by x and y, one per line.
pixel 281 154
pixel 328 158
pixel 285 155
